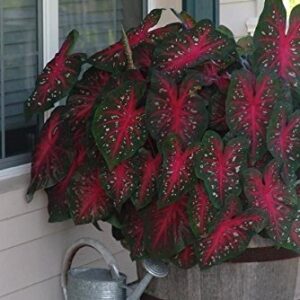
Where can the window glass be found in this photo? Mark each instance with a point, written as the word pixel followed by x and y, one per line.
pixel 20 57
pixel 98 21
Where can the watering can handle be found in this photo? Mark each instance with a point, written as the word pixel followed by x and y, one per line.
pixel 71 252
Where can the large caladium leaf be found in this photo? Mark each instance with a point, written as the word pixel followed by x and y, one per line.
pixel 149 167
pixel 249 105
pixel 51 158
pixel 177 173
pixel 134 231
pixel 167 229
pixel 269 193
pixel 119 124
pixel 200 209
pixel 113 57
pixel 192 47
pixel 57 78
pixel 220 167
pixel 171 109
pixel 82 100
pixel 159 34
pixel 283 138
pixel 230 236
pixel 276 47
pixel 120 182
pixel 142 56
pixel 87 198
pixel 58 206
pixel 186 258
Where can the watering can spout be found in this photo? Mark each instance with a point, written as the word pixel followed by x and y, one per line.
pixel 154 268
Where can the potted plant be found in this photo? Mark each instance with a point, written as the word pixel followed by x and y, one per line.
pixel 186 141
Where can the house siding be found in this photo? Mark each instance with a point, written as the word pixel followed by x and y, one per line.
pixel 31 249
pixel 235 13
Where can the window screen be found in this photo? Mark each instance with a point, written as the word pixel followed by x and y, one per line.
pixel 98 21
pixel 20 61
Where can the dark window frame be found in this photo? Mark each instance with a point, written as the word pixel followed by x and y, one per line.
pixel 203 9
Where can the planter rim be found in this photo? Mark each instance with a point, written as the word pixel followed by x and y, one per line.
pixel 264 254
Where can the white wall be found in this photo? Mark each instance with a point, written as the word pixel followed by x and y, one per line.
pixel 31 250
pixel 236 13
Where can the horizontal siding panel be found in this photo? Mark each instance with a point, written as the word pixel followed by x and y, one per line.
pixel 28 227
pixel 46 290
pixel 12 198
pixel 41 259
pixel 51 290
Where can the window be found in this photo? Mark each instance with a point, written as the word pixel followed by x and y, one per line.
pixel 20 61
pixel 201 9
pixel 25 44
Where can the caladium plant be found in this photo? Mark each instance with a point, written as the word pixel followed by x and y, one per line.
pixel 185 141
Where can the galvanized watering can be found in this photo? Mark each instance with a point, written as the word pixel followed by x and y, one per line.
pixel 100 284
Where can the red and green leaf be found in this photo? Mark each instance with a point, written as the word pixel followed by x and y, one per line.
pixel 113 57
pixel 192 47
pixel 186 258
pixel 119 124
pixel 149 167
pixel 57 78
pixel 214 73
pixel 200 209
pixel 87 198
pixel 283 137
pixel 174 109
pixel 268 193
pixel 229 238
pixel 120 182
pixel 249 106
pixel 177 173
pixel 220 167
pixel 142 55
pixel 58 206
pixel 134 232
pixel 159 34
pixel 167 229
pixel 52 155
pixel 82 100
pixel 276 46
